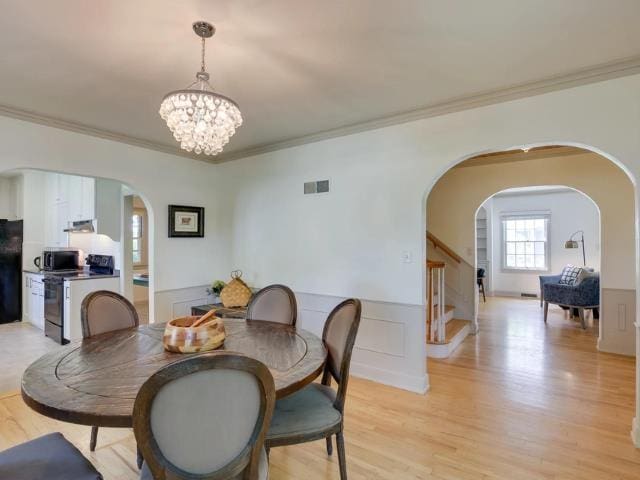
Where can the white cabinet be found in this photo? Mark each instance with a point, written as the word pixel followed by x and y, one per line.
pixel 74 292
pixel 81 198
pixel 33 299
pixel 68 198
pixel 26 295
pixel 88 198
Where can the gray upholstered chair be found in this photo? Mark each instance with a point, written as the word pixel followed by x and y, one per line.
pixel 51 456
pixel 317 411
pixel 105 311
pixel 275 303
pixel 582 296
pixel 205 417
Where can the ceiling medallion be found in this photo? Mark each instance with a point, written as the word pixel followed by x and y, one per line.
pixel 200 119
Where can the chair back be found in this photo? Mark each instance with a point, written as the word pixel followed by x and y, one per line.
pixel 275 303
pixel 105 311
pixel 339 336
pixel 205 417
pixel 480 273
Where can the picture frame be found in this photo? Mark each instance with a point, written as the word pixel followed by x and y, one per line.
pixel 186 222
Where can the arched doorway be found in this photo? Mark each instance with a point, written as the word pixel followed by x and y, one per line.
pixel 618 230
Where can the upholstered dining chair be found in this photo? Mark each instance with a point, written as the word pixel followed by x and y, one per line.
pixel 317 411
pixel 51 456
pixel 275 303
pixel 205 417
pixel 105 311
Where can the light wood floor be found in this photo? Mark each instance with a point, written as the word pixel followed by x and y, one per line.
pixel 521 400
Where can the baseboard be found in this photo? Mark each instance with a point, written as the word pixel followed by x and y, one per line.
pixel 411 383
pixel 503 293
pixel 635 432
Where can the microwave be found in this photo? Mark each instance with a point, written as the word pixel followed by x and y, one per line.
pixel 53 260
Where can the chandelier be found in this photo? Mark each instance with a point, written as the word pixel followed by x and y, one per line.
pixel 200 119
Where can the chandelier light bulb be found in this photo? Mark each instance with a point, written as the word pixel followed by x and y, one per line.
pixel 200 119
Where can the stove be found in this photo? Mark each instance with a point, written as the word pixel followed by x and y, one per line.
pixel 99 265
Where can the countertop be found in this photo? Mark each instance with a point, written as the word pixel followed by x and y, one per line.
pixel 82 276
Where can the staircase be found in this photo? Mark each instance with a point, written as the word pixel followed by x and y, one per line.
pixel 444 331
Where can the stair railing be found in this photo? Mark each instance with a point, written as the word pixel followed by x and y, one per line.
pixel 436 326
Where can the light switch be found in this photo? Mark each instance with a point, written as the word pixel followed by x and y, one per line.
pixel 407 257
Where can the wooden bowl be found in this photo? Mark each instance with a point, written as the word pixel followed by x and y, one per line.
pixel 179 337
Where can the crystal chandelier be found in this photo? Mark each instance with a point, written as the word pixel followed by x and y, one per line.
pixel 200 119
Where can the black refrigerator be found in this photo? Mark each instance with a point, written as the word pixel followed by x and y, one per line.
pixel 10 271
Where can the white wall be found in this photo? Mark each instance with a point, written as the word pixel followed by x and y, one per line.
pixel 374 213
pixel 161 179
pixel 569 211
pixel 351 241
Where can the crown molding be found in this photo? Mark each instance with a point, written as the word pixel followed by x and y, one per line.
pixel 49 121
pixel 621 68
pixel 599 73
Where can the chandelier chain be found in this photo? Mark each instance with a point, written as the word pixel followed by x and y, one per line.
pixel 202 67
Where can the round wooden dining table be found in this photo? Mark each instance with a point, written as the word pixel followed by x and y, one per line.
pixel 95 381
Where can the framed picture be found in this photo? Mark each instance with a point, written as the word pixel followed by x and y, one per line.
pixel 186 221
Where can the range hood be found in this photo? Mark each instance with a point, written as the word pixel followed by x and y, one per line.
pixel 81 226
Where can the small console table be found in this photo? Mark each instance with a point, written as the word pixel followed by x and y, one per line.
pixel 221 310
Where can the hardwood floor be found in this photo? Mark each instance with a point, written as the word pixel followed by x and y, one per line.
pixel 521 400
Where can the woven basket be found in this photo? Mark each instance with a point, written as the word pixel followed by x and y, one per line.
pixel 236 293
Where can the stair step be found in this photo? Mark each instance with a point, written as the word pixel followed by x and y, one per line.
pixel 456 331
pixel 447 310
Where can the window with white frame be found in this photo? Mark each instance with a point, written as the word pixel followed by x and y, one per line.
pixel 524 242
pixel 137 224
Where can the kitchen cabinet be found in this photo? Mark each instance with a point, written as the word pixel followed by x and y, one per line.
pixel 68 198
pixel 74 292
pixel 33 299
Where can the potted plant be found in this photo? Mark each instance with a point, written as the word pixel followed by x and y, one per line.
pixel 215 289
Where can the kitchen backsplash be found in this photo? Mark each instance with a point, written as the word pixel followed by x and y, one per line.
pixel 94 243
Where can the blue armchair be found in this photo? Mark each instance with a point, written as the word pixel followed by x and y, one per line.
pixel 544 279
pixel 585 295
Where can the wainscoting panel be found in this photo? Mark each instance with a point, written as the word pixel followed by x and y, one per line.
pixel 389 347
pixel 617 321
pixel 176 303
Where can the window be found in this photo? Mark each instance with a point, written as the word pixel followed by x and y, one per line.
pixel 524 242
pixel 137 221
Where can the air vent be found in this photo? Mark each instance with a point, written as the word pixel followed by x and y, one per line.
pixel 528 295
pixel 319 186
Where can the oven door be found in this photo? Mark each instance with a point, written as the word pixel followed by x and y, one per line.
pixel 53 308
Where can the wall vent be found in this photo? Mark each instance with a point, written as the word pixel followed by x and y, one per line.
pixel 529 295
pixel 319 186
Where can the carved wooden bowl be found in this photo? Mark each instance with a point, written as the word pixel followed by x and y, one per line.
pixel 179 337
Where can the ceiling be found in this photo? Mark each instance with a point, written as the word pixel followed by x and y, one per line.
pixel 296 68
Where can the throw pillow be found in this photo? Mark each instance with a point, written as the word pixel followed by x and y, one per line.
pixel 569 275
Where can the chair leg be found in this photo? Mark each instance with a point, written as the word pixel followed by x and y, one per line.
pixel 139 458
pixel 484 298
pixel 329 446
pixel 581 315
pixel 342 459
pixel 94 439
pixel 546 311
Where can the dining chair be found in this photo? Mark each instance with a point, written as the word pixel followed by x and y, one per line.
pixel 275 303
pixel 105 311
pixel 317 411
pixel 51 456
pixel 205 417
